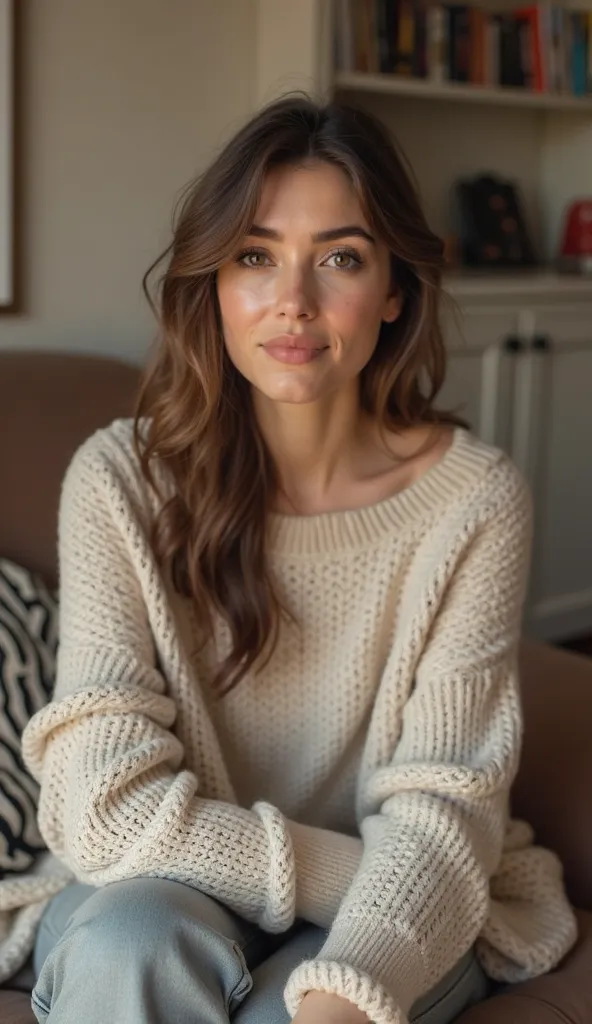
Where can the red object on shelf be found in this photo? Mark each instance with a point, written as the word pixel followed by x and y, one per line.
pixel 576 245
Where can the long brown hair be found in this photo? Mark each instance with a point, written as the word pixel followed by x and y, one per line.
pixel 196 407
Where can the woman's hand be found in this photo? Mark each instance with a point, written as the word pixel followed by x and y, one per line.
pixel 326 1008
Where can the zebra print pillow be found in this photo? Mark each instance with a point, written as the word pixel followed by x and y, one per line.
pixel 28 644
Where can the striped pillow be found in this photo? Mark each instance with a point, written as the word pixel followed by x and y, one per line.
pixel 28 644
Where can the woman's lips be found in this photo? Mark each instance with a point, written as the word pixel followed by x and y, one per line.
pixel 296 349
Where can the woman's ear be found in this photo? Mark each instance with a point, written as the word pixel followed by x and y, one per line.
pixel 393 306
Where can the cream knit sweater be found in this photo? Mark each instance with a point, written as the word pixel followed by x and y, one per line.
pixel 360 781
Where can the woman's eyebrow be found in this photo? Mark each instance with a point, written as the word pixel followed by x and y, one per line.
pixel 331 235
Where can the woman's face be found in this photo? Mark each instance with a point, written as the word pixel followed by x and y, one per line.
pixel 303 298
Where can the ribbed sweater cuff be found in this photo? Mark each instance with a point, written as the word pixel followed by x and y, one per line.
pixel 381 972
pixel 280 905
pixel 340 980
pixel 326 863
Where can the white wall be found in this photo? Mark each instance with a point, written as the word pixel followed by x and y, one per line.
pixel 124 100
pixel 6 161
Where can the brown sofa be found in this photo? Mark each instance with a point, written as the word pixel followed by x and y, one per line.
pixel 50 403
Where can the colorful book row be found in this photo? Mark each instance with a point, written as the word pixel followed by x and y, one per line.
pixel 543 48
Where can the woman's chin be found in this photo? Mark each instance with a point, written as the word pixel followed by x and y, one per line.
pixel 294 391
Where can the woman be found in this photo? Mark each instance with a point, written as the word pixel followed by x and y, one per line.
pixel 286 719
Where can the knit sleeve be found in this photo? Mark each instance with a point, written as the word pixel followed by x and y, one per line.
pixel 437 810
pixel 115 800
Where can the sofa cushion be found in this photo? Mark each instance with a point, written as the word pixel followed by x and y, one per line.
pixel 28 644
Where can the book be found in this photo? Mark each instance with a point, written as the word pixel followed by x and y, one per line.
pixel 477 32
pixel 344 43
pixel 526 52
pixel 420 55
pixel 405 38
pixel 437 43
pixel 567 52
pixel 492 51
pixel 589 60
pixel 579 56
pixel 458 50
pixel 511 71
pixel 385 48
pixel 366 42
pixel 531 22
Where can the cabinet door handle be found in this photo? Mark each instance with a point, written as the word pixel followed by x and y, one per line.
pixel 541 343
pixel 514 344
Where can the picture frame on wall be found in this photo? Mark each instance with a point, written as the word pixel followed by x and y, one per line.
pixel 7 142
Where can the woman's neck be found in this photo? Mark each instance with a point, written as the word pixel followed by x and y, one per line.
pixel 315 447
pixel 331 456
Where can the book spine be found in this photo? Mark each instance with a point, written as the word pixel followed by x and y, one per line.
pixel 420 59
pixel 392 22
pixel 505 52
pixel 552 50
pixel 372 29
pixel 437 43
pixel 559 48
pixel 492 51
pixel 405 38
pixel 579 59
pixel 567 51
pixel 382 36
pixel 539 49
pixel 459 42
pixel 511 72
pixel 589 54
pixel 548 52
pixel 534 46
pixel 526 51
pixel 477 28
pixel 450 13
pixel 360 37
pixel 366 43
pixel 343 48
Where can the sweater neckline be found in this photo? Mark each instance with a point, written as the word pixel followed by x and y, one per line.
pixel 465 460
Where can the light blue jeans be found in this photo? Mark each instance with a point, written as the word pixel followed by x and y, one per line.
pixel 155 951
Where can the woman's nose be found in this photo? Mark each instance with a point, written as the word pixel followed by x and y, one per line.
pixel 297 295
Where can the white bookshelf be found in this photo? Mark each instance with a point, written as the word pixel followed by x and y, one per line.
pixel 525 284
pixel 458 92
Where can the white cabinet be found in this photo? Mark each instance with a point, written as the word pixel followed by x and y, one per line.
pixel 479 378
pixel 523 379
pixel 558 455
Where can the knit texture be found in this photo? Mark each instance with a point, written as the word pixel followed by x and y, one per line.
pixel 360 780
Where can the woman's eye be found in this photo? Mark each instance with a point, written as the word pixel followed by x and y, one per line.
pixel 253 258
pixel 344 260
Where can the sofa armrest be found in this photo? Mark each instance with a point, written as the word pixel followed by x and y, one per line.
pixel 15 1008
pixel 562 997
pixel 552 790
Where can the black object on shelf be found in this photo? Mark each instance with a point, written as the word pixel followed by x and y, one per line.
pixel 514 344
pixel 492 228
pixel 541 343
